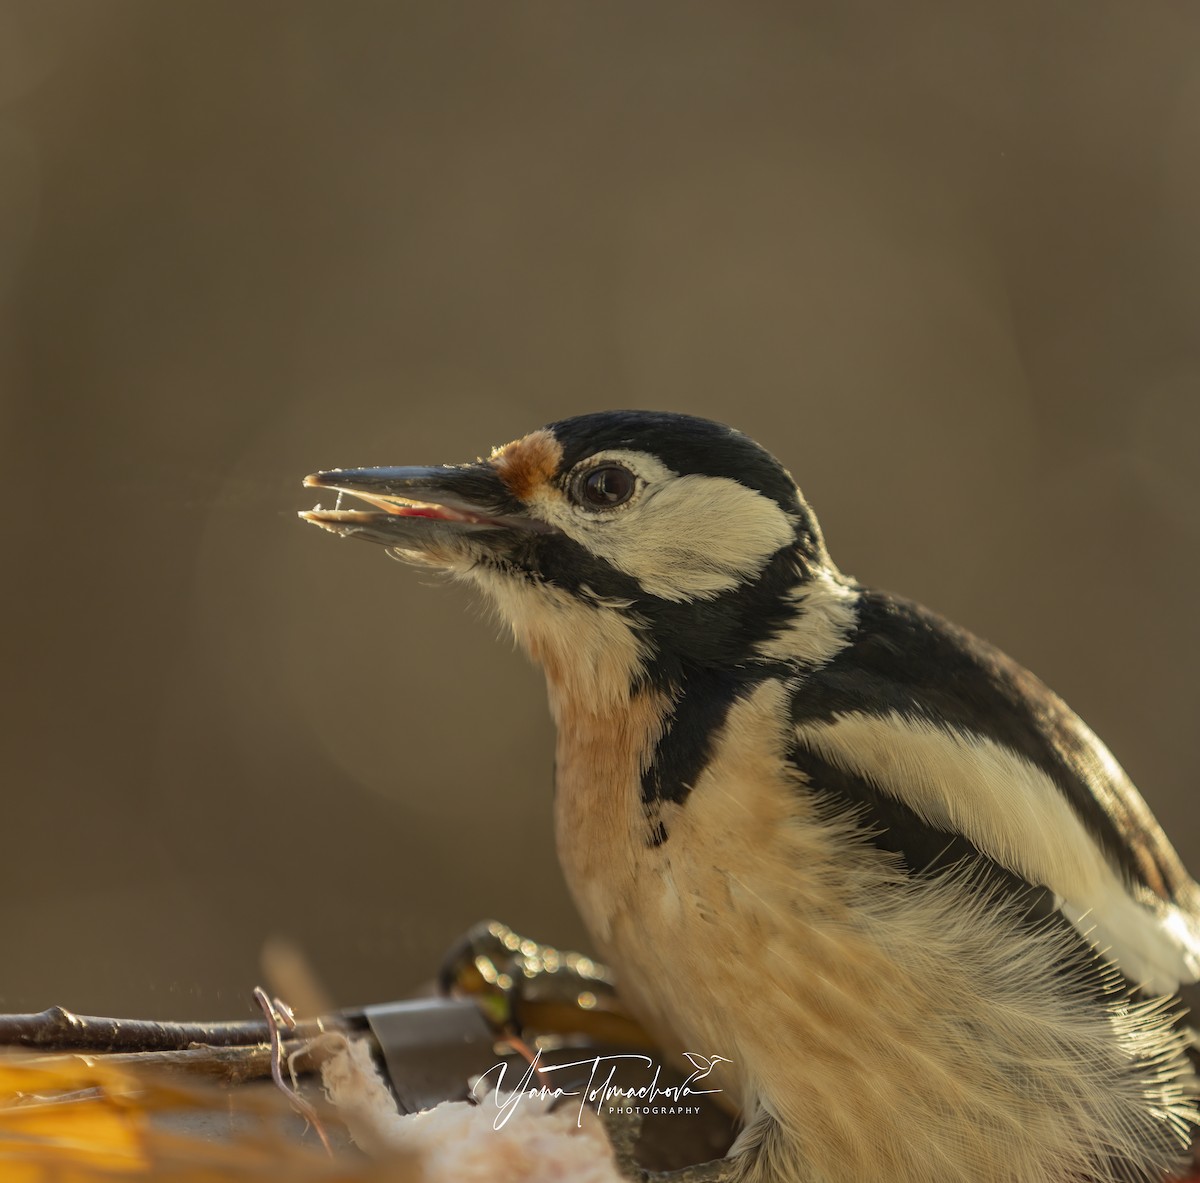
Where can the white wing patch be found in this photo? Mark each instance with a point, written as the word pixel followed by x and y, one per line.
pixel 1015 814
pixel 681 537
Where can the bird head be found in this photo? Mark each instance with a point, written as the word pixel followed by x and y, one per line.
pixel 623 547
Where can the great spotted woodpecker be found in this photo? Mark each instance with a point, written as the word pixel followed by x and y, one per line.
pixel 819 829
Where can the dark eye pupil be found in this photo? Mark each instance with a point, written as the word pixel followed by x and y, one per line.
pixel 608 486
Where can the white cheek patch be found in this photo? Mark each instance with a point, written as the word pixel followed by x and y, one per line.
pixel 694 537
pixel 684 537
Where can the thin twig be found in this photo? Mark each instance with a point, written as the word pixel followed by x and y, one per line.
pixel 230 1065
pixel 60 1030
pixel 277 1016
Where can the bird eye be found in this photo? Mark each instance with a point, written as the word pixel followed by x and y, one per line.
pixel 605 487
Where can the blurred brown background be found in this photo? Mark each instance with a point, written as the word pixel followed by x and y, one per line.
pixel 942 258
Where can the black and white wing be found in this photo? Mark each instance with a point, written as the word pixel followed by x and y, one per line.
pixel 948 750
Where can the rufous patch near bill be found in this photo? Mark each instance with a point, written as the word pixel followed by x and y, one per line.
pixel 527 463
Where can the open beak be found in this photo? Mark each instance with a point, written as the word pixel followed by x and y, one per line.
pixel 418 508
